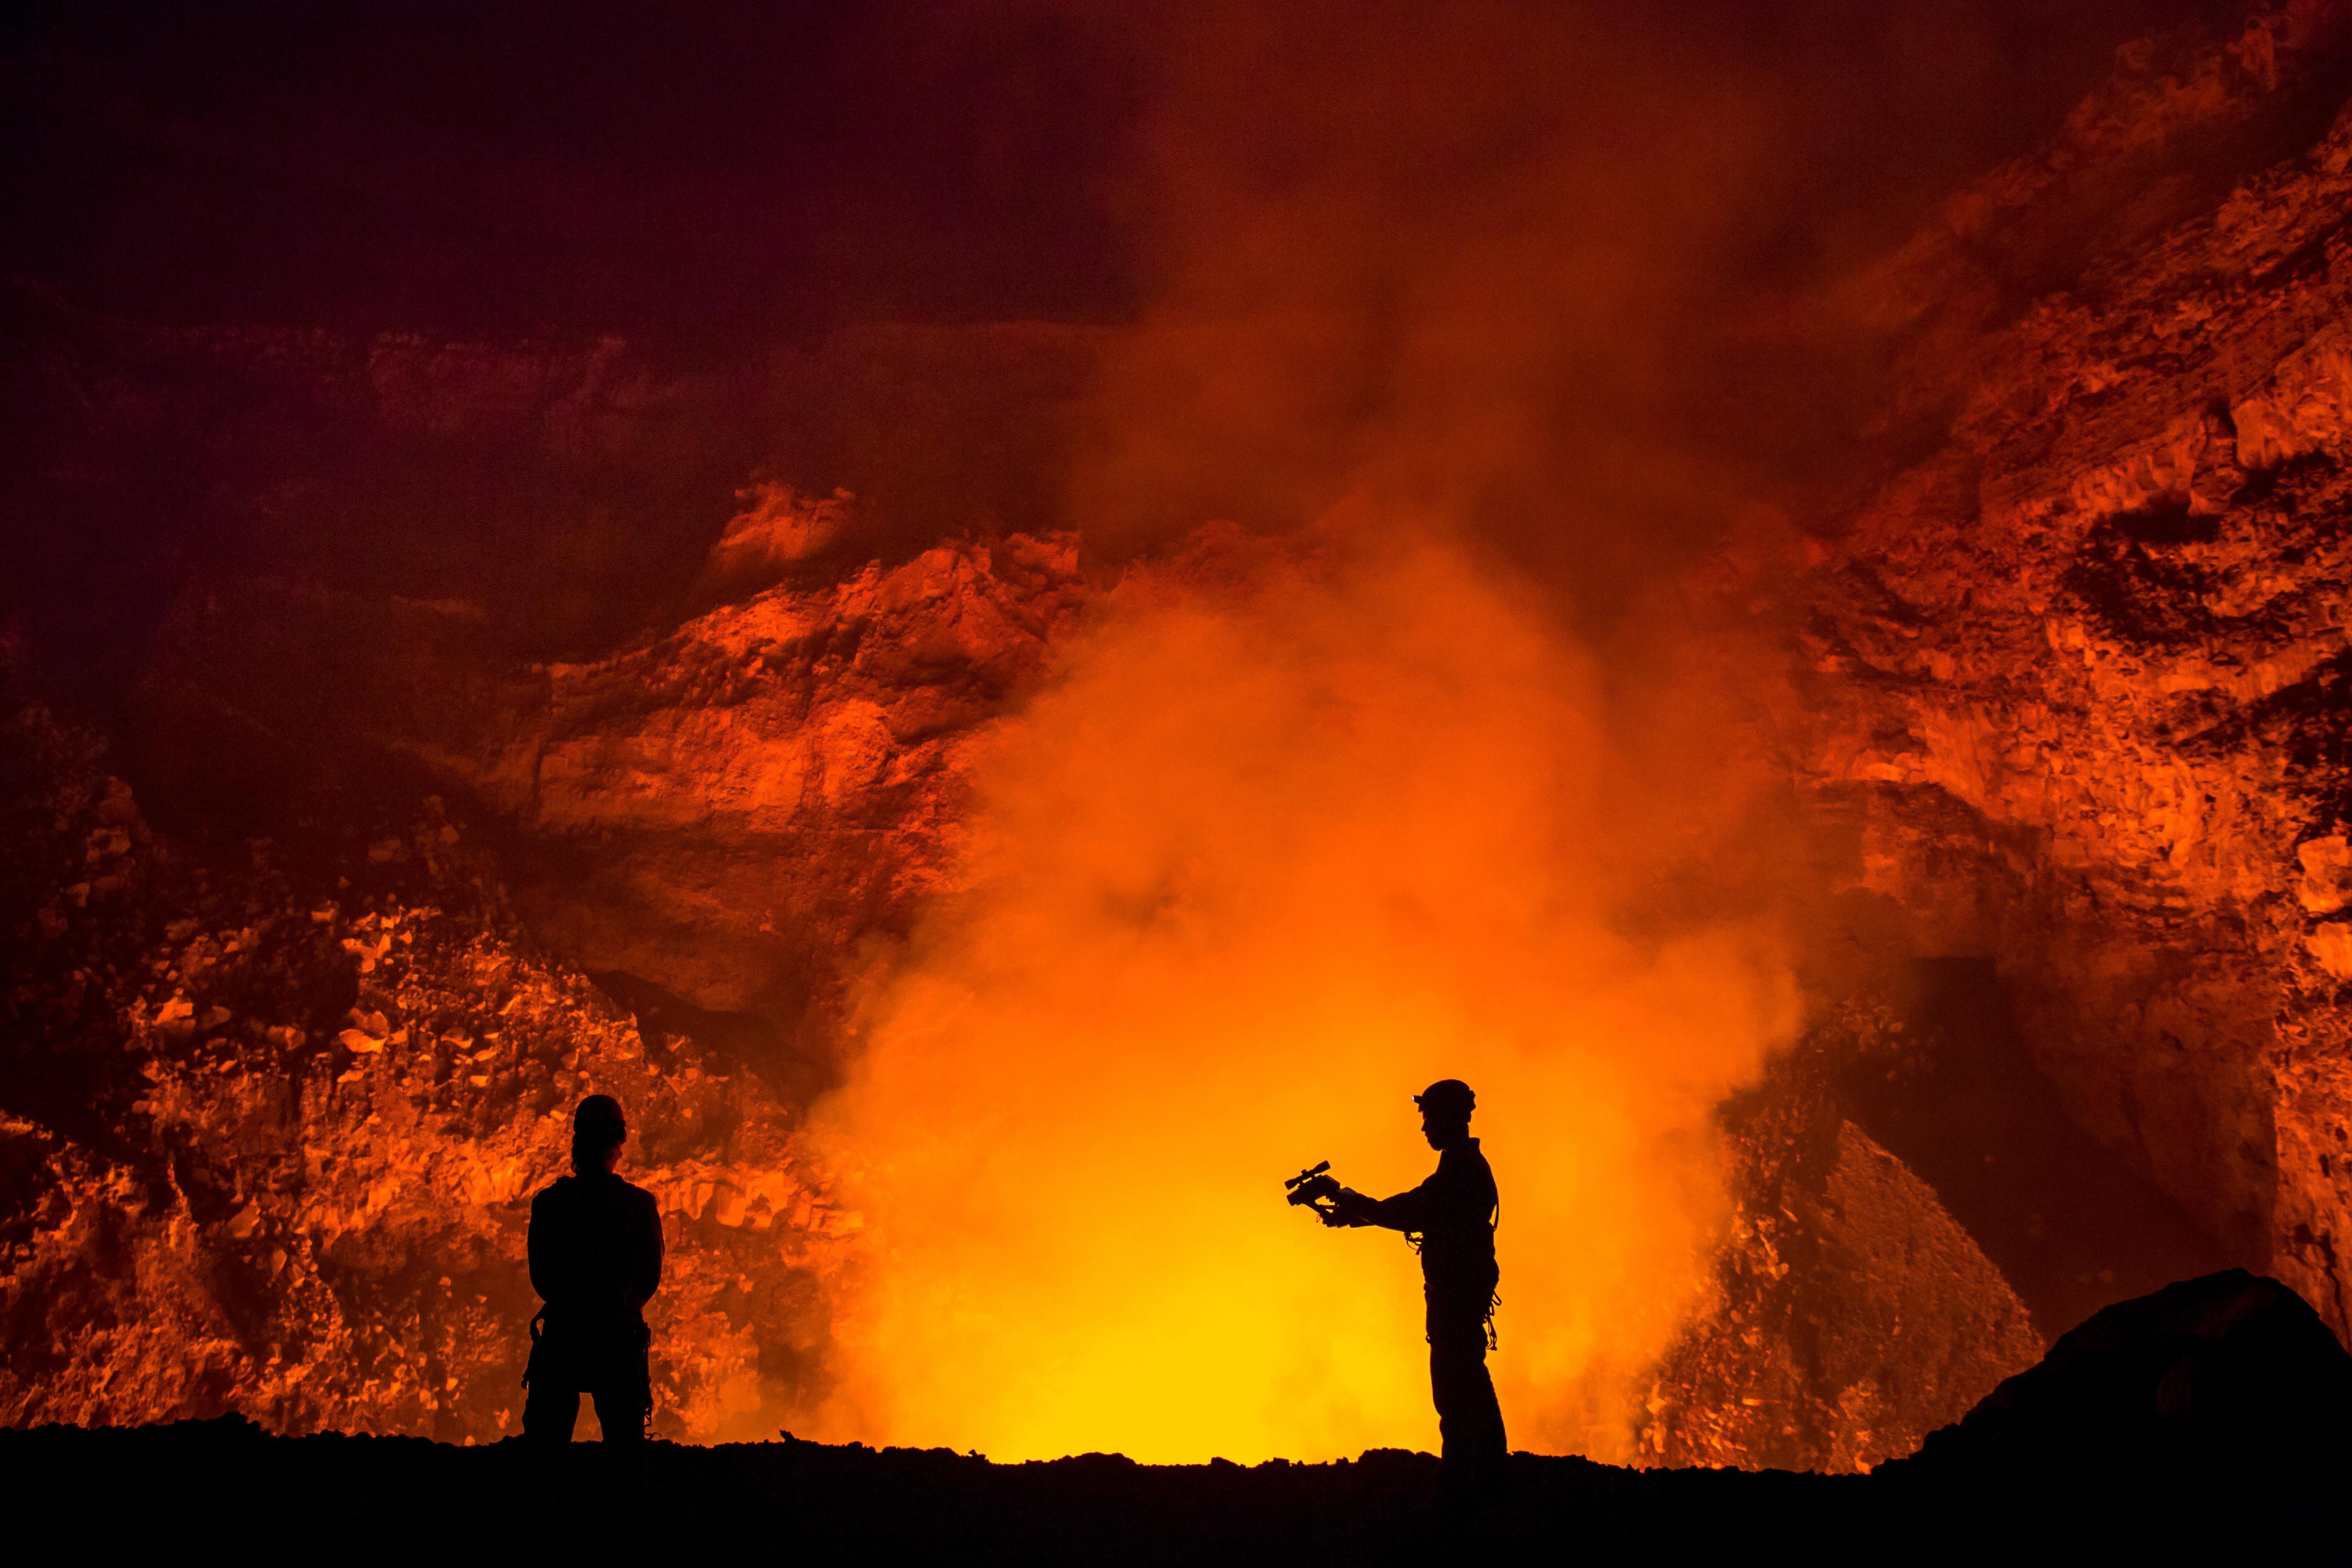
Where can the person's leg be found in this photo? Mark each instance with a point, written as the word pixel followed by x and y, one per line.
pixel 1479 1412
pixel 1485 1416
pixel 1469 1417
pixel 550 1414
pixel 1445 1393
pixel 621 1414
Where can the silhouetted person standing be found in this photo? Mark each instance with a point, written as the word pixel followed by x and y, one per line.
pixel 1452 1214
pixel 595 1260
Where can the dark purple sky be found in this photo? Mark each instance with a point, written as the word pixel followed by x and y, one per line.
pixel 728 184
pixel 709 170
pixel 495 167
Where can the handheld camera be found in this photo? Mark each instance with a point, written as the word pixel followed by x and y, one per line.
pixel 1318 1189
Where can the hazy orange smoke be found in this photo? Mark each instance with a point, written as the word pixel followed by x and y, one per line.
pixel 1264 860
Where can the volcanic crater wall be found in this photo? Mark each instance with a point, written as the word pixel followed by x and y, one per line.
pixel 2076 664
pixel 2063 690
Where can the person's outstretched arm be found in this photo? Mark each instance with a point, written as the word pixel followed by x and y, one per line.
pixel 1406 1211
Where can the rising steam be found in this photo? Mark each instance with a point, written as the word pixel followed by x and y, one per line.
pixel 1281 843
pixel 1276 847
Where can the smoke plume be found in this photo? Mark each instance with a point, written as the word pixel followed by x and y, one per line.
pixel 1280 844
pixel 1482 311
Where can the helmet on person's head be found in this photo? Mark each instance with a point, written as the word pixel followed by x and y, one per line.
pixel 600 1113
pixel 1447 1097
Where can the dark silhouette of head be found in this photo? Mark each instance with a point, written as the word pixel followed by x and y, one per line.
pixel 1445 1107
pixel 598 1131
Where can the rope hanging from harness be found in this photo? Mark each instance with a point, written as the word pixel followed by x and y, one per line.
pixel 1494 1296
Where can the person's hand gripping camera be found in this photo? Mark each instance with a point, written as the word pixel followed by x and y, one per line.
pixel 1316 1188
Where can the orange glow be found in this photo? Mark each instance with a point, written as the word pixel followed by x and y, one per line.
pixel 1261 861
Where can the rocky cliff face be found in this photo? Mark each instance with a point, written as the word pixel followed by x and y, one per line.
pixel 822 731
pixel 710 821
pixel 2075 665
pixel 272 1149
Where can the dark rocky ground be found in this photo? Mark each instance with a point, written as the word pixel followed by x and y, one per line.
pixel 2214 1416
pixel 820 1503
pixel 225 1484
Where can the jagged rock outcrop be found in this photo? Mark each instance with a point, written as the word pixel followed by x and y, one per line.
pixel 2077 666
pixel 717 817
pixel 778 779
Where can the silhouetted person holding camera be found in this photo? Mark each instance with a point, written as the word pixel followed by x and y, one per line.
pixel 1451 1217
pixel 595 1260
